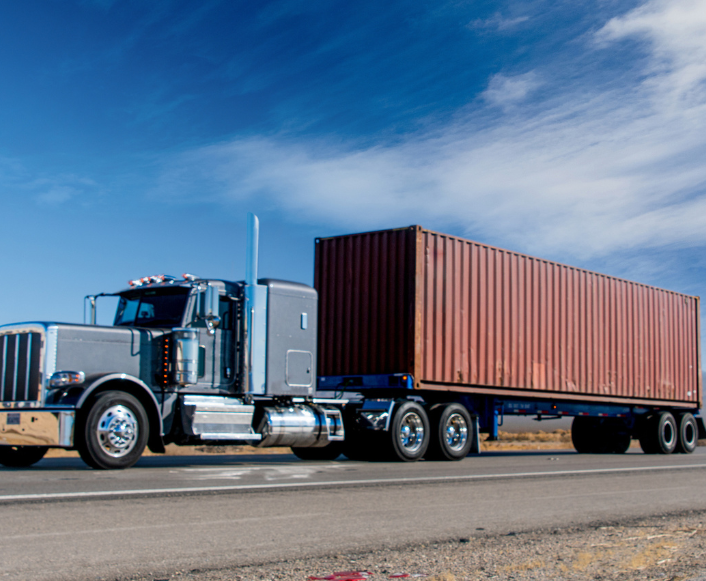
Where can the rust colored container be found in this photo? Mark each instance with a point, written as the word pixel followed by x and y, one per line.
pixel 462 316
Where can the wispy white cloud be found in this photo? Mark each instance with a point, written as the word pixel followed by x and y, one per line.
pixel 498 22
pixel 507 91
pixel 676 34
pixel 57 195
pixel 586 174
pixel 16 180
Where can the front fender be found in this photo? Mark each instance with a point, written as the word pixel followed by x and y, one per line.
pixel 122 380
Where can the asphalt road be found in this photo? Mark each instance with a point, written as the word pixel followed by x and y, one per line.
pixel 61 520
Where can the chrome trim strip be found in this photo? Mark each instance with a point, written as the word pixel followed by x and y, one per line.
pixel 4 363
pixel 17 360
pixel 28 368
pixel 48 364
pixel 232 437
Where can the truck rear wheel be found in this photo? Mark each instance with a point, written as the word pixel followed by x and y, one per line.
pixel 688 433
pixel 659 434
pixel 409 435
pixel 451 432
pixel 330 452
pixel 114 433
pixel 21 456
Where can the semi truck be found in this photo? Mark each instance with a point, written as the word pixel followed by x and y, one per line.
pixel 410 345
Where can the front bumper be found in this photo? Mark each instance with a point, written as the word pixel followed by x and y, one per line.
pixel 53 428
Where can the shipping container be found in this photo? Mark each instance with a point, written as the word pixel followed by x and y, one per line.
pixel 462 316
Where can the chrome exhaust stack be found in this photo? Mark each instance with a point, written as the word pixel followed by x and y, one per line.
pixel 255 316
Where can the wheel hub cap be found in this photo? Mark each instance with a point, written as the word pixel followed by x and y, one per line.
pixel 117 431
pixel 411 432
pixel 456 432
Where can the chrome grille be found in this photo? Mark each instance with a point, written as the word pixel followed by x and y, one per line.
pixel 19 366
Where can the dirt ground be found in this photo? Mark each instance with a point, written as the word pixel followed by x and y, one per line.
pixel 669 547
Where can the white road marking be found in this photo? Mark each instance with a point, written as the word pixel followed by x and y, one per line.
pixel 271 473
pixel 372 481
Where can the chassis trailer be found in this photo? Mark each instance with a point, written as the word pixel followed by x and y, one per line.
pixel 411 345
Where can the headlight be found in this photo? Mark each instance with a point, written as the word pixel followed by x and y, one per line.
pixel 66 378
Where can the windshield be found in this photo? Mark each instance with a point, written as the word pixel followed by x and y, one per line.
pixel 152 308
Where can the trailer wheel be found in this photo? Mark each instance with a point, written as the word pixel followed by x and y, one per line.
pixel 330 452
pixel 21 456
pixel 600 435
pixel 620 442
pixel 583 434
pixel 659 434
pixel 114 432
pixel 616 436
pixel 451 432
pixel 688 434
pixel 409 435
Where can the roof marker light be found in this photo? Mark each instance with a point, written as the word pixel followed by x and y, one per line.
pixel 154 279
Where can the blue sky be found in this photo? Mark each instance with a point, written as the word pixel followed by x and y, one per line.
pixel 135 136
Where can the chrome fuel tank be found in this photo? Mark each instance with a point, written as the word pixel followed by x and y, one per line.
pixel 300 426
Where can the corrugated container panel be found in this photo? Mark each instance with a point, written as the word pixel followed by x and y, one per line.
pixel 459 315
pixel 366 285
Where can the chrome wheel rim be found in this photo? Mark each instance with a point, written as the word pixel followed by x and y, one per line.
pixel 411 432
pixel 456 432
pixel 117 431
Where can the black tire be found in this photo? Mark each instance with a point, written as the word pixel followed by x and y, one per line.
pixel 659 434
pixel 366 446
pixel 612 436
pixel 330 452
pixel 409 434
pixel 645 435
pixel 620 440
pixel 600 435
pixel 583 434
pixel 21 456
pixel 688 433
pixel 451 432
pixel 114 431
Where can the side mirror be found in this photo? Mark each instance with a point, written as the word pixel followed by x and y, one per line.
pixel 210 308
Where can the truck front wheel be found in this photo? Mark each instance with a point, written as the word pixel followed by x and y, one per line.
pixel 114 433
pixel 21 456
